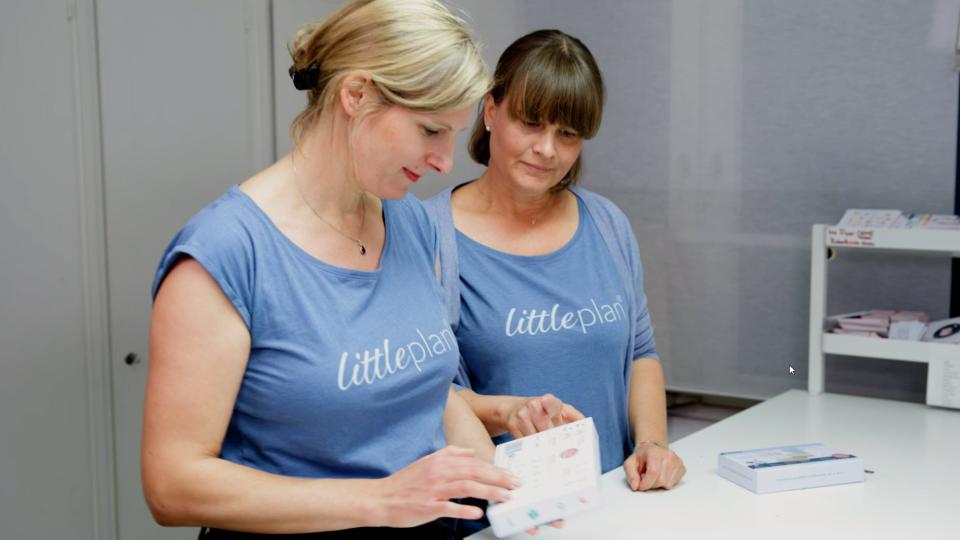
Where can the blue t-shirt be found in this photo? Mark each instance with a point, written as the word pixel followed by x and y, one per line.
pixel 553 323
pixel 348 370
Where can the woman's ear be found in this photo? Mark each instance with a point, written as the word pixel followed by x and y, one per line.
pixel 489 108
pixel 355 91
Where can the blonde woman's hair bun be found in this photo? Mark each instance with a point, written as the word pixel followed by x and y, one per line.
pixel 304 78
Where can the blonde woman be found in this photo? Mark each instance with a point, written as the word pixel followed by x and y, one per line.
pixel 300 355
pixel 543 279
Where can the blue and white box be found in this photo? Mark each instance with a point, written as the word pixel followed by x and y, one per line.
pixel 783 468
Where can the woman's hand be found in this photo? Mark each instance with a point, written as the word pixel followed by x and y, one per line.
pixel 526 416
pixel 653 466
pixel 421 492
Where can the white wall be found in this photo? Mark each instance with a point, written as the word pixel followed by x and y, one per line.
pixel 734 125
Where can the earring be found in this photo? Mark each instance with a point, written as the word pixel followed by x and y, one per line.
pixel 486 126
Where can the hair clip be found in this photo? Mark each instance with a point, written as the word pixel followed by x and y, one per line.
pixel 305 78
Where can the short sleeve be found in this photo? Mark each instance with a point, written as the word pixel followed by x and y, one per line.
pixel 626 252
pixel 222 246
pixel 644 344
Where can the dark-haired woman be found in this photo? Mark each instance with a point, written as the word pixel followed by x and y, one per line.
pixel 543 279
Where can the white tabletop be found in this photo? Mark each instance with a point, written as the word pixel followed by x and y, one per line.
pixel 914 492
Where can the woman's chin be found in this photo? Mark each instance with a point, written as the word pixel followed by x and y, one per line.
pixel 392 194
pixel 535 185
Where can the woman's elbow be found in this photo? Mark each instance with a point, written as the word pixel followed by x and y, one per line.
pixel 163 499
pixel 162 508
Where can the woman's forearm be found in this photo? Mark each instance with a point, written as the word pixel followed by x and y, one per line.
pixel 464 429
pixel 217 493
pixel 648 402
pixel 493 411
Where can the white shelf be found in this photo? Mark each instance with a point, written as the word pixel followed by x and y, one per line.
pixel 892 349
pixel 906 241
pixel 945 242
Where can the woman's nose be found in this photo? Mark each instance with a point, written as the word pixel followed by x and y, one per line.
pixel 441 162
pixel 546 144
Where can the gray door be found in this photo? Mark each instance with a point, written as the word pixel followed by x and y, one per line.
pixel 183 107
pixel 50 432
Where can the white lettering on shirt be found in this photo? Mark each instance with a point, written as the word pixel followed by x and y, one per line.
pixel 379 363
pixel 534 321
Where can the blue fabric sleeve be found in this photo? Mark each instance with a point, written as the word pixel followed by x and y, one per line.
pixel 644 344
pixel 426 223
pixel 461 381
pixel 223 251
pixel 616 229
pixel 439 208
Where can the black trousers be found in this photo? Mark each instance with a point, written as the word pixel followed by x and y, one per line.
pixel 441 529
pixel 436 530
pixel 466 527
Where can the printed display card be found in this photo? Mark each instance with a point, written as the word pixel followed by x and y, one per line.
pixel 560 474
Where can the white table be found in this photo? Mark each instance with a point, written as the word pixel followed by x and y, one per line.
pixel 914 493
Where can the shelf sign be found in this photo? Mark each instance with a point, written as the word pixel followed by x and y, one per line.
pixel 943 378
pixel 843 236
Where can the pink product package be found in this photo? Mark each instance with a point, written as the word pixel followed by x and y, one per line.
pixel 873 323
pixel 873 320
pixel 863 333
pixel 900 316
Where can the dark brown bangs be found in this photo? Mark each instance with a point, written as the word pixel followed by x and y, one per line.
pixel 555 88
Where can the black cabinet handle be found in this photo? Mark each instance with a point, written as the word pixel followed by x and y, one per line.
pixel 131 359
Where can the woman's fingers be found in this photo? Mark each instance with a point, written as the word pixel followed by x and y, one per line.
pixel 539 415
pixel 631 471
pixel 483 472
pixel 649 478
pixel 421 491
pixel 552 406
pixel 653 467
pixel 460 511
pixel 520 423
pixel 556 524
pixel 676 474
pixel 571 414
pixel 461 489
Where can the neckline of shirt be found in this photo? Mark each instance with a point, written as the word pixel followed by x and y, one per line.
pixel 582 217
pixel 309 258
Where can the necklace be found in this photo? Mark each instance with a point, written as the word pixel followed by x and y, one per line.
pixel 533 221
pixel 363 210
pixel 542 213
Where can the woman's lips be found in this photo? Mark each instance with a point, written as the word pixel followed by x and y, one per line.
pixel 411 175
pixel 536 169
